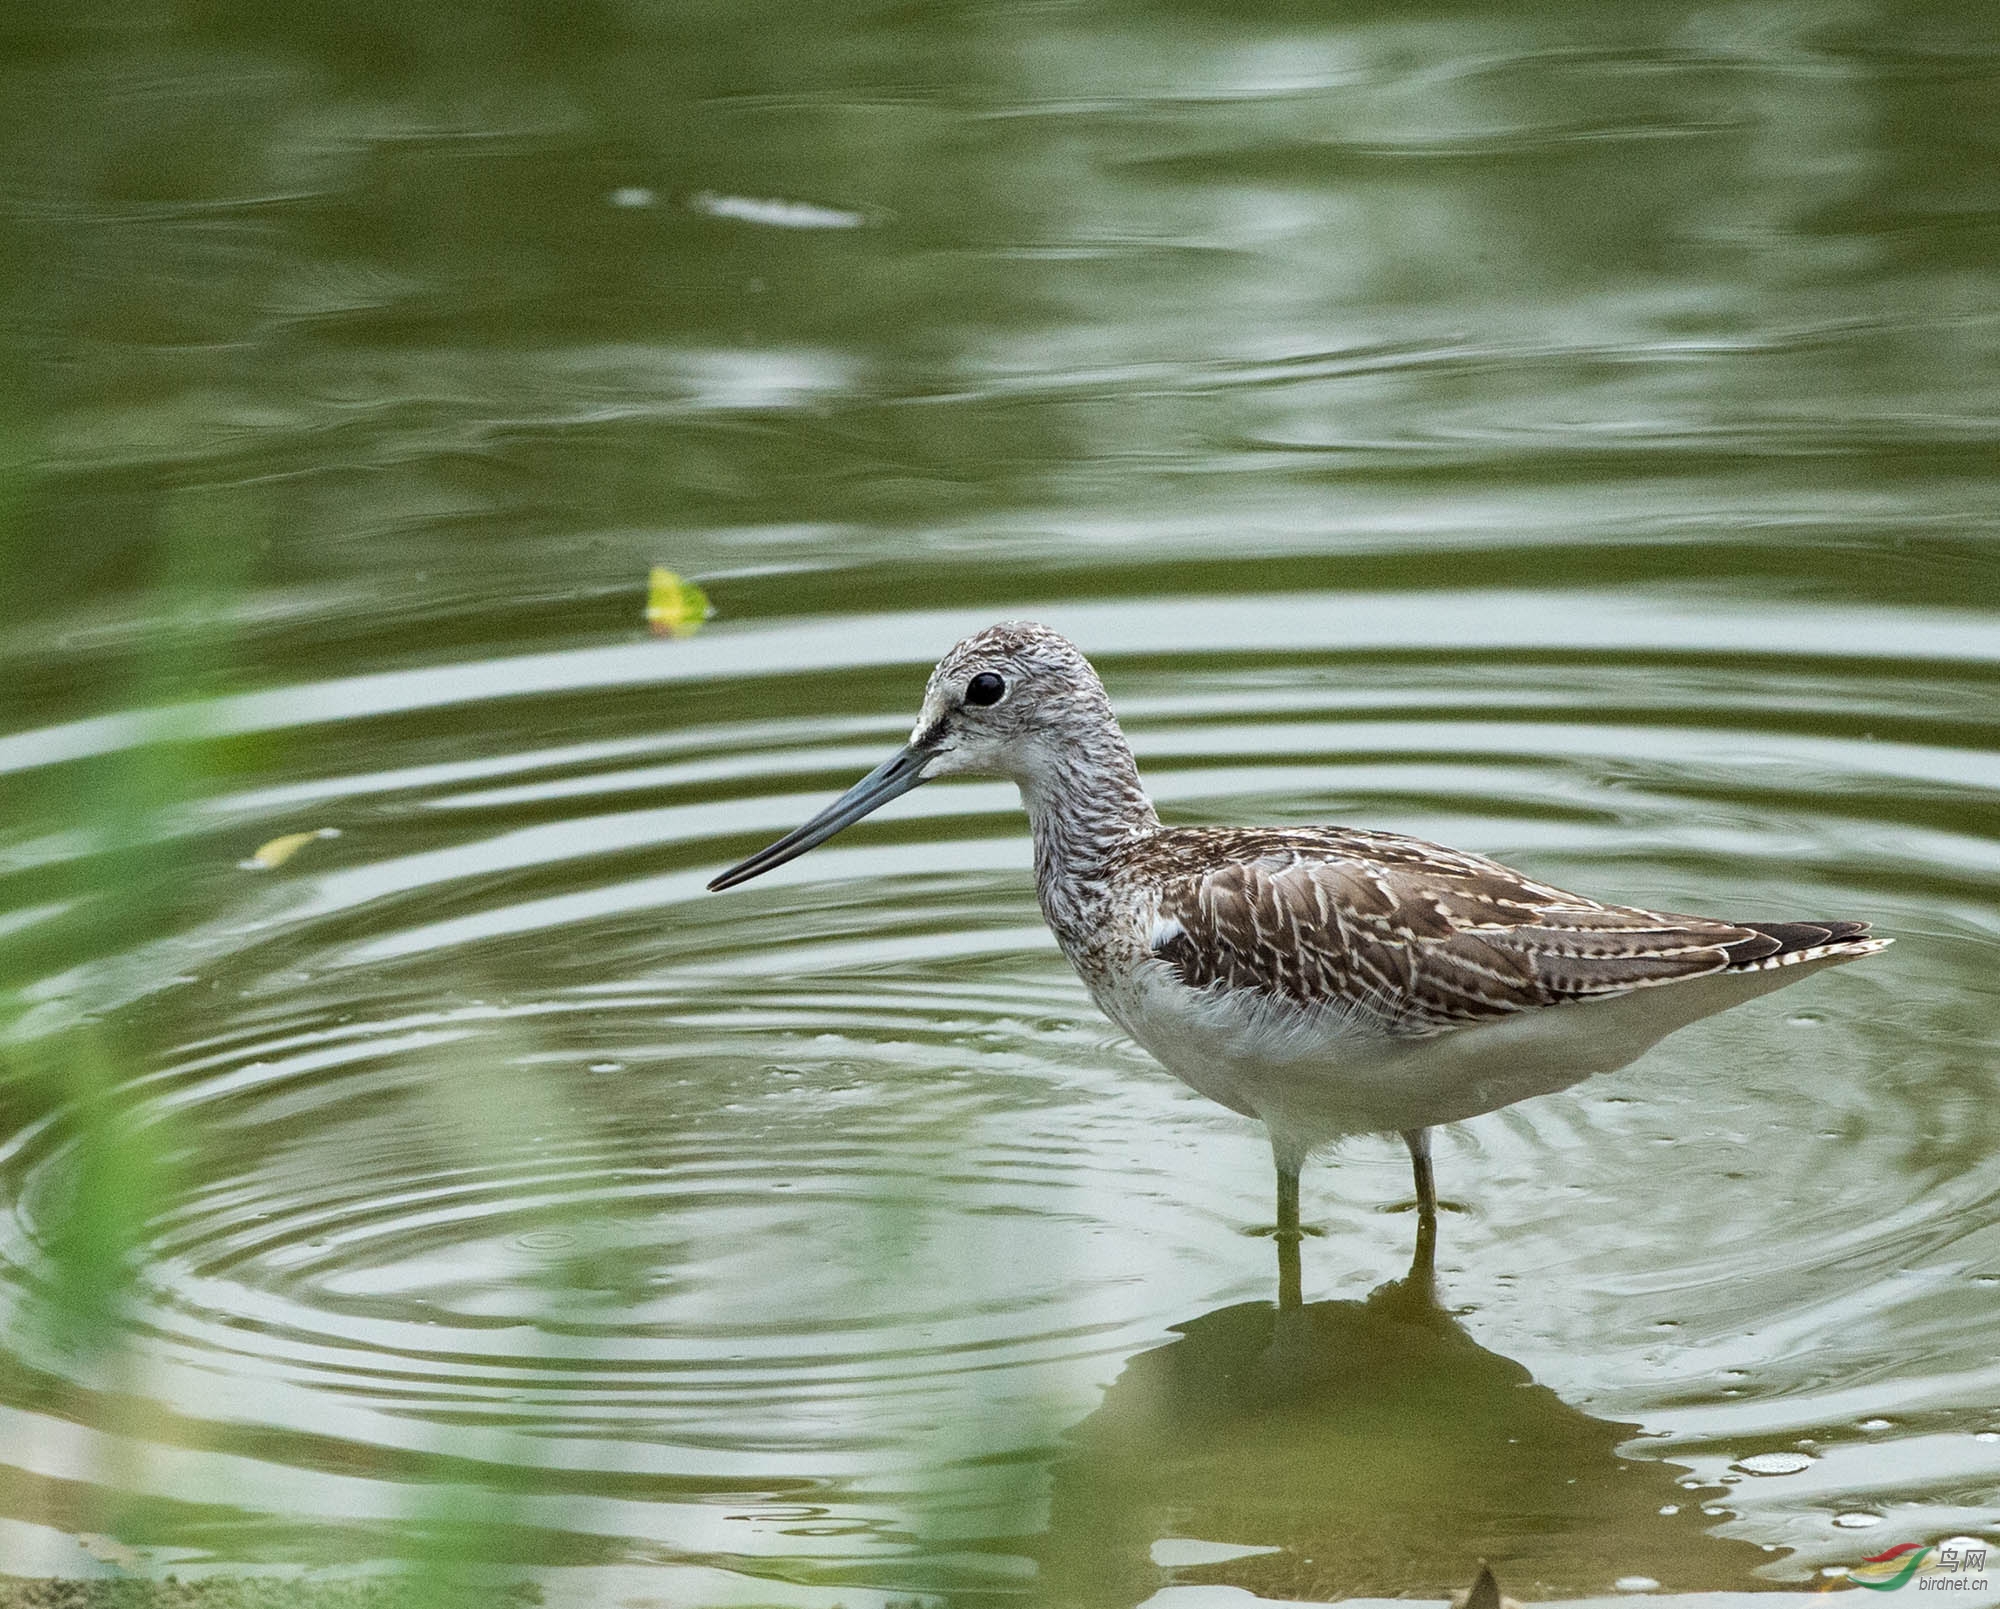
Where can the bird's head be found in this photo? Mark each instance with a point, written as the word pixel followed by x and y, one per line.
pixel 1008 701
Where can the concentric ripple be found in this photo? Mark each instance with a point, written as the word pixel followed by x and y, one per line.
pixel 505 1149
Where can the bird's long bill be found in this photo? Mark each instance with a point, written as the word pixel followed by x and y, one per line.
pixel 892 778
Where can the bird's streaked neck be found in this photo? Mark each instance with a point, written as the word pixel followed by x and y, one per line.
pixel 1084 800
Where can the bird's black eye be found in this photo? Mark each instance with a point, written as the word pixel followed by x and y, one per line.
pixel 985 688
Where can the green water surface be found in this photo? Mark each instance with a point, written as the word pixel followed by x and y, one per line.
pixel 1566 430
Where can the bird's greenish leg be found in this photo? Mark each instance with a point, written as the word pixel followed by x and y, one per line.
pixel 1288 1236
pixel 1419 1142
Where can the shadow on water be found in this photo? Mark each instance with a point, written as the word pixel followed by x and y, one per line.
pixel 1365 1447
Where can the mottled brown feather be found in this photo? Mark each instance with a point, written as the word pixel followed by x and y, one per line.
pixel 1415 939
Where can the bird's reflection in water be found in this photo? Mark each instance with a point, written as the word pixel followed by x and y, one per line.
pixel 1381 1450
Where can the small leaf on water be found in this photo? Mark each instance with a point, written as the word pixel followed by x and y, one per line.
pixel 674 608
pixel 271 856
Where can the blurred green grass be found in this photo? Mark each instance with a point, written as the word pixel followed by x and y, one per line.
pixel 70 1059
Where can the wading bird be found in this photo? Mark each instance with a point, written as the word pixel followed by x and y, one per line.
pixel 1326 980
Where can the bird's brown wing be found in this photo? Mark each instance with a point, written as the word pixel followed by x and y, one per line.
pixel 1416 939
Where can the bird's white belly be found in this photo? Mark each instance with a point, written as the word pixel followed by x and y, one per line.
pixel 1315 1076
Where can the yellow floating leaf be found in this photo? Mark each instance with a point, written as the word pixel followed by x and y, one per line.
pixel 674 608
pixel 271 856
